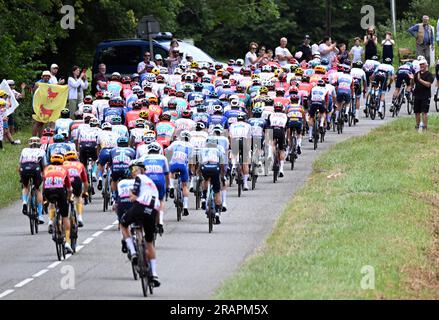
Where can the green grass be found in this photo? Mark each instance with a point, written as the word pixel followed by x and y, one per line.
pixel 10 188
pixel 371 200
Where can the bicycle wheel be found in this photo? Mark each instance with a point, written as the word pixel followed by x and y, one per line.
pixel 73 228
pixel 275 168
pixel 178 201
pixel 367 105
pixel 322 135
pixel 57 237
pixel 351 113
pixel 436 100
pixel 254 176
pixel 198 194
pixel 210 213
pixel 383 114
pixel 315 134
pixel 239 182
pixel 293 151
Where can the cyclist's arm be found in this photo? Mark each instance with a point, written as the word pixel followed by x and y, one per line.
pixel 136 190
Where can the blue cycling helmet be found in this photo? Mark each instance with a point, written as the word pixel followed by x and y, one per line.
pixel 116 120
pixel 201 108
pixel 214 95
pixel 57 138
pixel 324 62
pixel 122 142
pixel 257 112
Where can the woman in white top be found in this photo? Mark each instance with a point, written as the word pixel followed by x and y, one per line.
pixel 77 84
pixel 251 59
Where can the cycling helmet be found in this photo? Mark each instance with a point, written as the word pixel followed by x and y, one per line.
pixel 321 83
pixel 239 62
pixel 198 86
pixel 122 142
pixel 180 94
pixel 320 69
pixel 126 80
pixel 144 114
pixel 116 120
pixel 213 95
pixel 140 123
pixel 247 72
pixel 326 79
pixel 268 101
pixel 217 109
pixel 65 113
pixel 294 90
pixel 94 123
pixel 99 95
pixel 71 156
pixel 325 62
pixel 305 79
pixel 165 117
pixel 218 129
pixel 135 76
pixel 57 138
pixel 339 67
pixel 194 65
pixel 172 104
pixel 137 105
pixel 298 72
pixel 57 159
pixel 87 108
pixel 155 71
pixel 278 107
pixel 154 148
pixel 257 112
pixel 211 141
pixel 186 114
pixel 282 77
pixel 34 142
pixel 136 163
pixel 201 108
pixel 116 102
pixel 347 62
pixel 358 64
pixel 263 90
pixel 3 94
pixel 48 132
pixel 240 117
pixel 147 87
pixel 115 76
pixel 256 82
pixel 346 69
pixel 294 98
pixel 280 91
pixel 185 135
pixel 388 61
pixel 234 103
pixel 108 95
pixel 160 79
pixel 374 58
pixel 107 126
pixel 153 100
pixel 205 79
pixel 200 126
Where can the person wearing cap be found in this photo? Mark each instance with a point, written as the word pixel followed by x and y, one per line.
pixel 282 53
pixel 77 84
pixel 423 32
pixel 158 60
pixel 423 81
pixel 141 67
pixel 53 72
pixel 306 50
pixel 45 78
pixel 189 58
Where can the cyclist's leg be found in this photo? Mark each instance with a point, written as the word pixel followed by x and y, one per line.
pixel 78 200
pixel 312 114
pixel 24 179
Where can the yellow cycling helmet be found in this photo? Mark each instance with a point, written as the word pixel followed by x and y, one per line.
pixel 263 90
pixel 255 76
pixel 258 104
pixel 3 94
pixel 150 134
pixel 144 114
pixel 156 71
pixel 57 159
pixel 2 103
pixel 276 72
pixel 71 156
pixel 219 73
pixel 320 69
pixel 298 72
pixel 194 65
pixel 153 100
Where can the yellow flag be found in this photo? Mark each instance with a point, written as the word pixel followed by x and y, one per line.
pixel 49 100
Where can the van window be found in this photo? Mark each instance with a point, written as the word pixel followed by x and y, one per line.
pixel 127 56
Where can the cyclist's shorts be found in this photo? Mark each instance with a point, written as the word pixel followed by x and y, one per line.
pixel 381 78
pixel 316 106
pixel 344 97
pixel 104 156
pixel 279 135
pixel 357 87
pixel 212 172
pixel 368 74
pixel 160 183
pixel 86 152
pixel 58 196
pixel 28 171
pixel 183 169
pixel 400 77
pixel 296 126
pixel 117 175
pixel 122 207
pixel 140 214
pixel 77 186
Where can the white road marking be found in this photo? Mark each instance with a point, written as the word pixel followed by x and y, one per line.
pixel 40 273
pixel 68 256
pixel 5 293
pixel 116 222
pixel 78 248
pixel 108 227
pixel 53 265
pixel 24 282
pixel 88 240
pixel 97 234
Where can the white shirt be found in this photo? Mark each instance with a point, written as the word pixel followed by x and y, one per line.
pixel 315 49
pixel 141 66
pixel 356 52
pixel 76 86
pixel 282 52
pixel 249 57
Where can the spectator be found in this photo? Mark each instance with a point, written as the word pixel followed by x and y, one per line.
pixel 315 49
pixel 158 59
pixel 18 96
pixel 2 112
pixel 371 42
pixel 77 84
pixel 306 50
pixel 141 67
pixel 4 119
pixel 423 33
pixel 37 127
pixel 328 49
pixel 45 78
pixel 53 72
pixel 357 51
pixel 388 44
pixel 251 59
pixel 101 78
pixel 174 59
pixel 343 54
pixel 283 55
pixel 189 58
pixel 423 81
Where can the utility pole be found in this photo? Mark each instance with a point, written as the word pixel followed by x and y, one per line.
pixel 393 9
pixel 328 17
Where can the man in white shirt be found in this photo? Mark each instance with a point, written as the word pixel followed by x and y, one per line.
pixel 282 53
pixel 356 52
pixel 53 72
pixel 328 49
pixel 141 68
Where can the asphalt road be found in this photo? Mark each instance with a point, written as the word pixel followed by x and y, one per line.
pixel 191 262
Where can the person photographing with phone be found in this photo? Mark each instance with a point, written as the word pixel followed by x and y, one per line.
pixel 174 59
pixel 371 42
pixel 77 84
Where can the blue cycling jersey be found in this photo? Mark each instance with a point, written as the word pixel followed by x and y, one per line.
pixel 120 158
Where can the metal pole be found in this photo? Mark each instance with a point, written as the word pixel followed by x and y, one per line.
pixel 392 7
pixel 151 47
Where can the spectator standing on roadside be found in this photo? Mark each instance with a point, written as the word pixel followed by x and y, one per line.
pixel 306 50
pixel 174 59
pixel 370 42
pixel 251 59
pixel 343 54
pixel 158 59
pixel 101 78
pixel 356 53
pixel 283 55
pixel 423 32
pixel 54 71
pixel 388 44
pixel 423 81
pixel 328 49
pixel 18 96
pixel 77 84
pixel 45 78
pixel 141 67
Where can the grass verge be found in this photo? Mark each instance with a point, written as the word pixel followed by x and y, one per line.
pixel 370 201
pixel 10 187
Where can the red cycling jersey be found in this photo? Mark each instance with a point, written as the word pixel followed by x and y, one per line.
pixel 76 169
pixel 56 177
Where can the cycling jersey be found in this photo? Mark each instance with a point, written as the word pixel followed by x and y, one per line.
pixel 145 190
pixel 136 136
pixel 277 120
pixel 184 124
pixel 100 106
pixel 258 126
pixel 74 127
pixel 76 170
pixel 59 148
pixel 88 136
pixel 115 87
pixel 56 177
pixel 240 129
pixel 294 113
pixel 131 117
pixel 120 159
pixel 203 117
pixel 154 113
pixel 179 152
pixel 370 65
pixel 107 139
pixel 111 112
pixel 63 126
pixel 319 95
pixel 156 168
pixel 165 132
pixel 123 195
pixel 232 115
pixel 33 156
pixel 218 119
pixel 120 130
pixel 345 83
pixel 198 139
